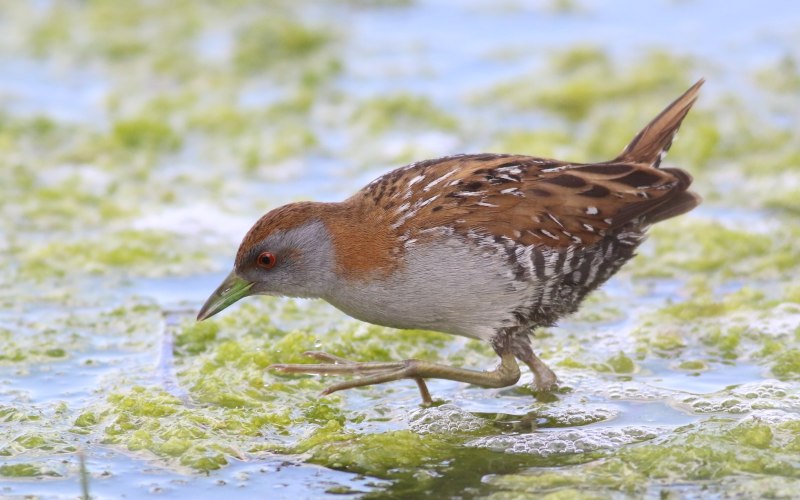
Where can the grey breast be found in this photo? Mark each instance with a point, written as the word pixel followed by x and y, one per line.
pixel 450 285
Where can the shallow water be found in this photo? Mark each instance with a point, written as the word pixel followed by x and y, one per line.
pixel 139 141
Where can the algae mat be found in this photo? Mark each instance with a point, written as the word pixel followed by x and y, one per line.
pixel 139 140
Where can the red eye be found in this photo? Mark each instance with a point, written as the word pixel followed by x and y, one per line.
pixel 266 260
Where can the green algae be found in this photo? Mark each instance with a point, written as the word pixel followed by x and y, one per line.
pixel 693 365
pixel 144 253
pixel 711 451
pixel 703 304
pixel 782 77
pixel 150 420
pixel 266 42
pixel 375 454
pixel 24 470
pixel 401 111
pixel 585 80
pixel 165 101
pixel 144 134
pixel 11 414
pixel 541 143
pixel 785 202
pixel 32 341
pixel 787 364
pixel 243 408
pixel 194 339
pixel 687 246
pixel 619 363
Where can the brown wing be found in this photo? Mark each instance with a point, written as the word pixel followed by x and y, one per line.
pixel 533 200
pixel 529 200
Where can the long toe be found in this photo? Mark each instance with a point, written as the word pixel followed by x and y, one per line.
pixel 327 358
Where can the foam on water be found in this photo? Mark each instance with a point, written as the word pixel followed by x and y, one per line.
pixel 760 395
pixel 570 441
pixel 444 419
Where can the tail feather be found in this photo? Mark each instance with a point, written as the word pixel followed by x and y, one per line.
pixel 652 143
pixel 675 206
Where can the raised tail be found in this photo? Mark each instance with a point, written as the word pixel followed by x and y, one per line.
pixel 652 143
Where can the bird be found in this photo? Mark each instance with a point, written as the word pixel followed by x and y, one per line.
pixel 485 246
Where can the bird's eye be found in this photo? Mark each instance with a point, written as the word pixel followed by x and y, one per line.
pixel 266 260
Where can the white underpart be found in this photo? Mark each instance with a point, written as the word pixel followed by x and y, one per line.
pixel 591 211
pixel 445 285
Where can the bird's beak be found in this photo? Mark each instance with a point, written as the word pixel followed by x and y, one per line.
pixel 231 290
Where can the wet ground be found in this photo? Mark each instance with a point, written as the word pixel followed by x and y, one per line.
pixel 139 141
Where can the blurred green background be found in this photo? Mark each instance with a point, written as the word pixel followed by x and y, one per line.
pixel 139 140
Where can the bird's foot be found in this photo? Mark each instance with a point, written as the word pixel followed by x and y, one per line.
pixel 544 379
pixel 507 373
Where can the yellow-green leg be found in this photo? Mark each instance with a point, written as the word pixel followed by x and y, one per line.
pixel 506 373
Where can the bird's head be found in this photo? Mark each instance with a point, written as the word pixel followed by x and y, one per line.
pixel 287 252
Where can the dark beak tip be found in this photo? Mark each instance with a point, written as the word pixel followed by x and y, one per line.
pixel 230 291
pixel 203 314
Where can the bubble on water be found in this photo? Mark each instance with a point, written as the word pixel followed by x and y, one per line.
pixel 444 419
pixel 766 389
pixel 751 487
pixel 762 395
pixel 769 417
pixel 628 390
pixel 574 377
pixel 569 441
pixel 781 322
pixel 574 414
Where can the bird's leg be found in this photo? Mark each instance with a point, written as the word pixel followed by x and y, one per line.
pixel 506 373
pixel 330 358
pixel 544 379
